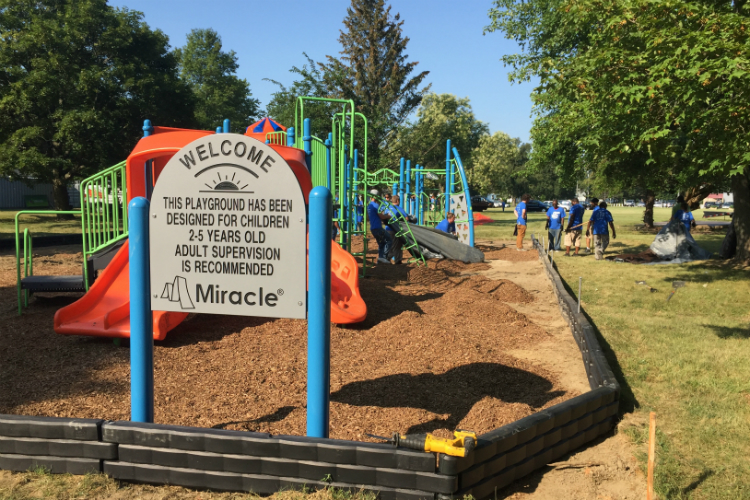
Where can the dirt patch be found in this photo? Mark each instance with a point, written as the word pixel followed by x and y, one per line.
pixel 509 253
pixel 432 356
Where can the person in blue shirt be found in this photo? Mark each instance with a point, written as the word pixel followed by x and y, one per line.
pixel 593 206
pixel 520 213
pixel 555 219
pixel 598 225
pixel 384 239
pixel 685 216
pixel 575 227
pixel 502 204
pixel 397 214
pixel 448 225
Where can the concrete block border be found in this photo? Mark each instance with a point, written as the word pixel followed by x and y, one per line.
pixel 261 463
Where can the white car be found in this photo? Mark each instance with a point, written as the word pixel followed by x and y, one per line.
pixel 628 203
pixel 566 204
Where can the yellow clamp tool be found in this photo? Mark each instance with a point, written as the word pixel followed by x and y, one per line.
pixel 460 446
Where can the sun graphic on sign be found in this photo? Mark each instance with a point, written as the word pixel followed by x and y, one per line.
pixel 225 180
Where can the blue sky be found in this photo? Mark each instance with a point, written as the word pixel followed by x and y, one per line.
pixel 445 37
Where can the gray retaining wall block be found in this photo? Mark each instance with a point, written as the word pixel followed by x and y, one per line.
pixel 55 465
pixel 263 445
pixel 282 467
pixel 254 483
pixel 80 429
pixel 58 447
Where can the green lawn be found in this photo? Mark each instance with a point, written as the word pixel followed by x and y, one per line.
pixel 39 225
pixel 688 359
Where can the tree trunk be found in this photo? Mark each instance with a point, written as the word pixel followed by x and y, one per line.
pixel 648 214
pixel 696 194
pixel 741 218
pixel 60 193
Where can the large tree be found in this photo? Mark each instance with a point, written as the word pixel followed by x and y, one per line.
pixel 212 75
pixel 439 117
pixel 646 93
pixel 77 78
pixel 373 71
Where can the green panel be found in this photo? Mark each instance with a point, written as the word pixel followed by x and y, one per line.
pixel 318 161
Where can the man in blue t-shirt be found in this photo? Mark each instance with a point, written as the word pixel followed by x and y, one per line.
pixel 598 223
pixel 555 218
pixel 685 216
pixel 397 214
pixel 376 219
pixel 593 206
pixel 520 213
pixel 575 227
pixel 448 225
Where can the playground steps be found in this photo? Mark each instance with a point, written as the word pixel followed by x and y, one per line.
pixel 36 284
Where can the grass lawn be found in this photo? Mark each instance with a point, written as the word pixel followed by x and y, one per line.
pixel 39 225
pixel 688 359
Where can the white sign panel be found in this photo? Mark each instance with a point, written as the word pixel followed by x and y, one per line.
pixel 460 207
pixel 228 231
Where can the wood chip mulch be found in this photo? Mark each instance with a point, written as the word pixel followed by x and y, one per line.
pixel 431 356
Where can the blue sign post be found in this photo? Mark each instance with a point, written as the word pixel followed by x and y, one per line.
pixel 319 313
pixel 141 317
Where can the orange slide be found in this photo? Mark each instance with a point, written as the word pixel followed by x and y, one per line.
pixel 105 310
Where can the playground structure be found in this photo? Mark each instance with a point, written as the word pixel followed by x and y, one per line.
pixel 104 309
pixel 336 163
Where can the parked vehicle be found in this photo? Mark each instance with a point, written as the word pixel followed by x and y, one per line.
pixel 641 204
pixel 566 204
pixel 628 203
pixel 728 205
pixel 480 204
pixel 535 206
pixel 669 203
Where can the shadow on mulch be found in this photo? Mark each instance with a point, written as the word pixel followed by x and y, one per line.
pixel 276 416
pixel 199 328
pixel 454 392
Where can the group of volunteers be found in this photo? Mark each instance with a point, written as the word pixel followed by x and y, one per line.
pixel 597 226
pixel 384 217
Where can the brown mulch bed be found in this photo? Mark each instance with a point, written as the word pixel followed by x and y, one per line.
pixel 431 356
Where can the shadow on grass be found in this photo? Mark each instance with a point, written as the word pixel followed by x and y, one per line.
pixel 694 485
pixel 728 332
pixel 628 401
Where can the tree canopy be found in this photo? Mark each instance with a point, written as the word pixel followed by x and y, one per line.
pixel 641 93
pixel 77 79
pixel 374 71
pixel 211 73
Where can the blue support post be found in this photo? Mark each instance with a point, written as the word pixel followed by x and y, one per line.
pixel 355 187
pixel 401 180
pixel 328 143
pixel 219 130
pixel 290 137
pixel 447 178
pixel 319 314
pixel 395 189
pixel 226 125
pixel 141 317
pixel 307 140
pixel 405 199
pixel 148 129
